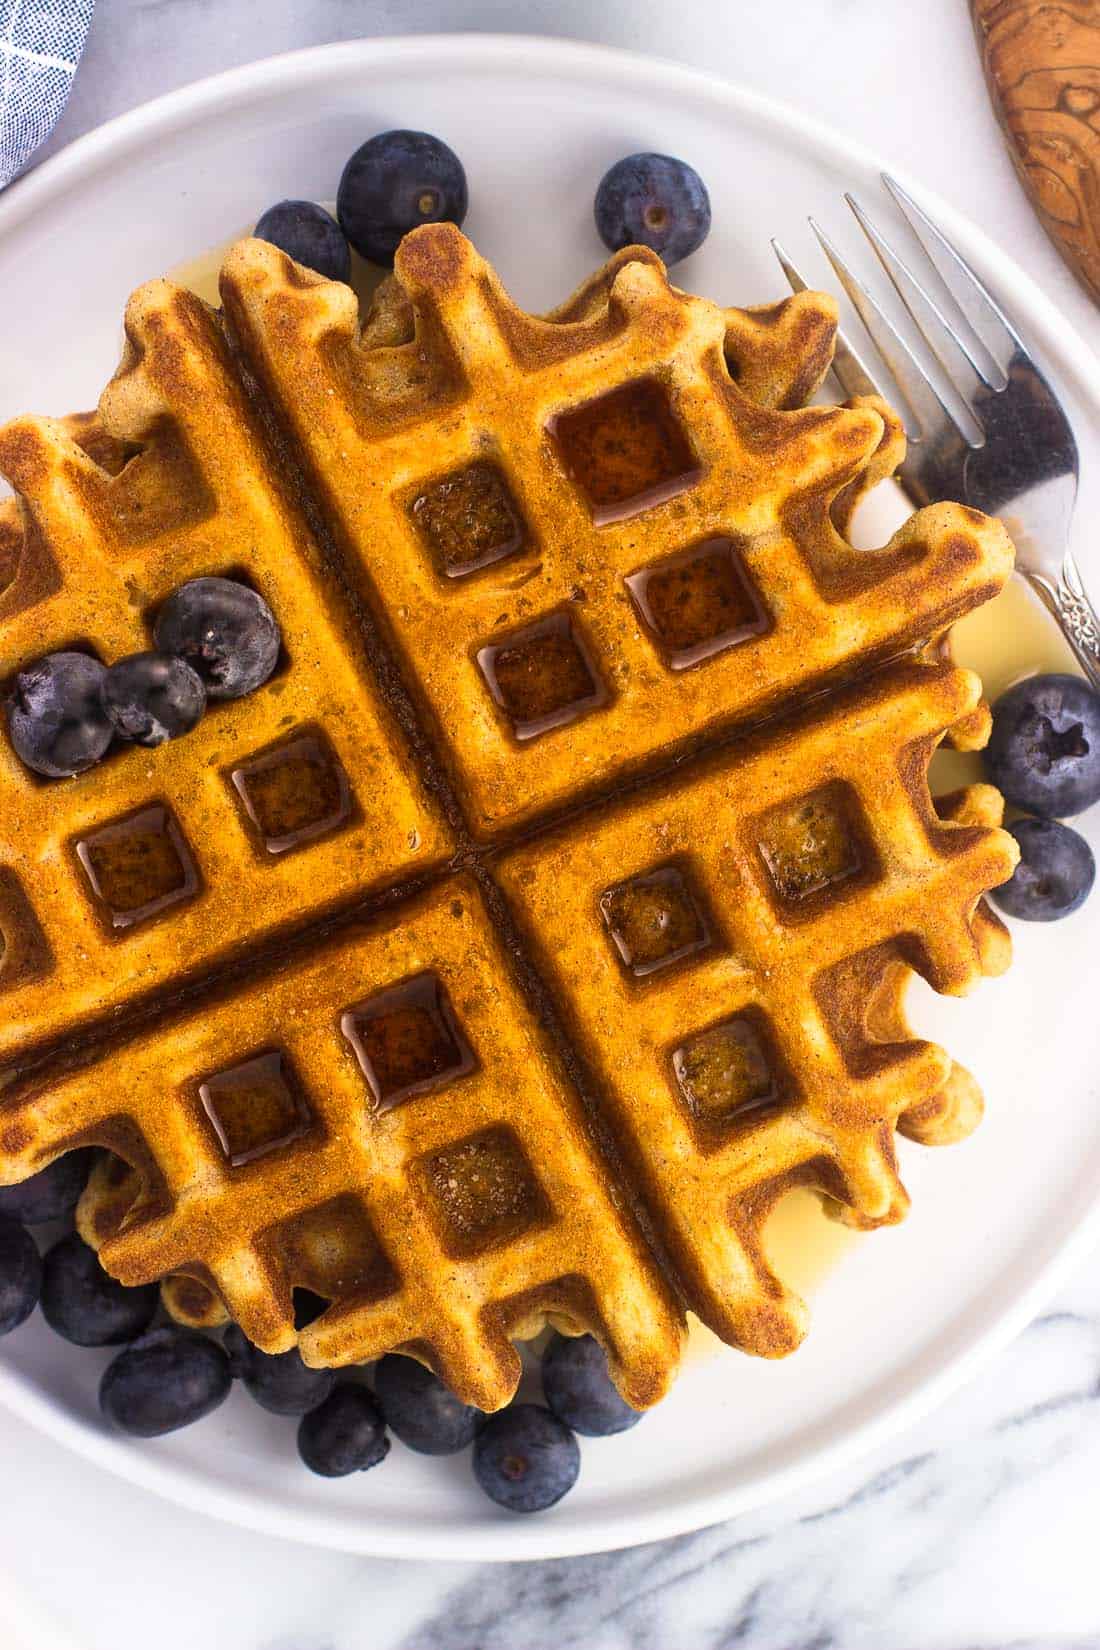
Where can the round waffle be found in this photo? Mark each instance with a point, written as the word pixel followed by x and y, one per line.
pixel 612 849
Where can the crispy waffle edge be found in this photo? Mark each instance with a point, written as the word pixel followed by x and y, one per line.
pixel 775 357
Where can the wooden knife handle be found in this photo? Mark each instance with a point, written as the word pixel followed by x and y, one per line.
pixel 1042 62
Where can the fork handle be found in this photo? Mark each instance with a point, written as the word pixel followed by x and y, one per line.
pixel 1075 615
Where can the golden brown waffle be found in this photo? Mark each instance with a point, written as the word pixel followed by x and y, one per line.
pixel 778 353
pixel 971 732
pixel 193 1304
pixel 728 951
pixel 373 1108
pixel 169 481
pixel 590 547
pixel 113 1195
pixel 412 1152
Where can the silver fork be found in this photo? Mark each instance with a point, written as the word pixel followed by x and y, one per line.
pixel 1023 464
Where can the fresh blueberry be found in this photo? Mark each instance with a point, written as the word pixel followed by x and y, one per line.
pixel 346 1434
pixel 1044 752
pixel 309 235
pixel 51 1194
pixel 579 1389
pixel 239 1350
pixel 168 1379
pixel 655 201
pixel 151 697
pixel 525 1459
pixel 421 1410
pixel 393 183
pixel 86 1306
pixel 225 631
pixel 280 1381
pixel 20 1275
pixel 1055 874
pixel 57 722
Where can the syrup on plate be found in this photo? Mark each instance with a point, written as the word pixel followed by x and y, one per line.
pixel 803 1245
pixel 200 274
pixel 1011 637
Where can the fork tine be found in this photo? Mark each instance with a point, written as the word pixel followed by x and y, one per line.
pixel 922 396
pixel 855 377
pixel 974 299
pixel 957 360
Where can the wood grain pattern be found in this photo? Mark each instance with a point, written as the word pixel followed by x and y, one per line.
pixel 1042 61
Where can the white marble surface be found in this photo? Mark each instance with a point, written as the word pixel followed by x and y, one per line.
pixel 976 1529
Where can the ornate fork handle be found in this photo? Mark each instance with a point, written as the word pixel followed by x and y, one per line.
pixel 1075 614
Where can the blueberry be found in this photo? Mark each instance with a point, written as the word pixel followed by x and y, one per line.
pixel 1055 874
pixel 525 1459
pixel 655 201
pixel 57 723
pixel 239 1350
pixel 51 1194
pixel 346 1434
pixel 280 1381
pixel 151 697
pixel 20 1275
pixel 86 1306
pixel 421 1410
pixel 166 1380
pixel 579 1389
pixel 225 631
pixel 309 235
pixel 393 183
pixel 1044 752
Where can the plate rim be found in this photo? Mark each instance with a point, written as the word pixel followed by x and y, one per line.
pixel 177 110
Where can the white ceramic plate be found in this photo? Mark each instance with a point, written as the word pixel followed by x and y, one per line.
pixel 24 1625
pixel 909 1312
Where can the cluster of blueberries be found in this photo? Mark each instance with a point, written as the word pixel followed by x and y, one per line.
pixel 1044 757
pixel 215 639
pixel 399 180
pixel 525 1458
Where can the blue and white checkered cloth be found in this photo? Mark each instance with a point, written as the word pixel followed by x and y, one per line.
pixel 40 46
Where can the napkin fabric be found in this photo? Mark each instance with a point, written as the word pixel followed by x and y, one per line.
pixel 40 46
